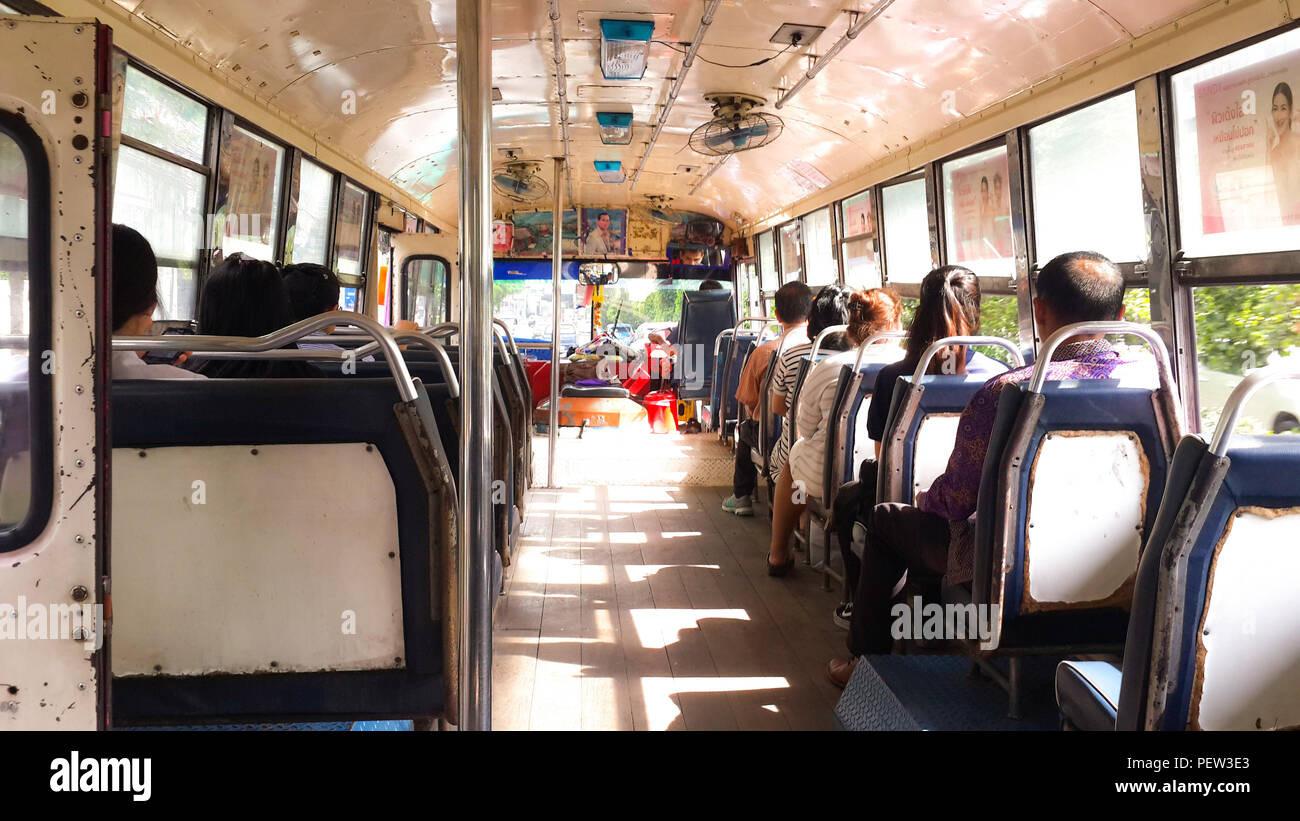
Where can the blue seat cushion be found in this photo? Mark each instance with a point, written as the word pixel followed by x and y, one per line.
pixel 1087 693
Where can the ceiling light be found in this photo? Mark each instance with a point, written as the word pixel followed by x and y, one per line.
pixel 610 171
pixel 615 127
pixel 624 48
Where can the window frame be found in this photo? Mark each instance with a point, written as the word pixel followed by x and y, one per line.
pixel 991 286
pixel 1135 273
pixel 40 322
pixel 357 280
pixel 1262 268
pixel 291 221
pixel 778 245
pixel 877 243
pixel 202 261
pixel 909 290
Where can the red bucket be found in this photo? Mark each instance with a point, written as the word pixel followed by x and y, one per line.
pixel 661 410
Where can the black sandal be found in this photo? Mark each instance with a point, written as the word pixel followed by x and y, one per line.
pixel 779 570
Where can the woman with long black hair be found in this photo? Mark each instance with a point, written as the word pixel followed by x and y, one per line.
pixel 246 297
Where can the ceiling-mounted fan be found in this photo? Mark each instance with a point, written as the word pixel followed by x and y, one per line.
pixel 520 180
pixel 735 126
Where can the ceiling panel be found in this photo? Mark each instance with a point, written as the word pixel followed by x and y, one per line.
pixel 919 67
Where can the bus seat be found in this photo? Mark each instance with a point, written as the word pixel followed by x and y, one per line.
pixel 728 414
pixel 921 431
pixel 1212 640
pixel 713 405
pixel 322 542
pixel 705 314
pixel 1071 485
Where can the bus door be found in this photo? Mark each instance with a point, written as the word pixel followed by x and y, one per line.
pixel 55 127
pixel 425 278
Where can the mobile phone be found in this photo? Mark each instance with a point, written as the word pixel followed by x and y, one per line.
pixel 167 357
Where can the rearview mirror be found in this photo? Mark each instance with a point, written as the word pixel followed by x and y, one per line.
pixel 598 273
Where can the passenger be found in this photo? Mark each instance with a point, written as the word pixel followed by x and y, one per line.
pixel 313 289
pixel 949 306
pixel 135 296
pixel 793 301
pixel 867 313
pixel 935 537
pixel 246 297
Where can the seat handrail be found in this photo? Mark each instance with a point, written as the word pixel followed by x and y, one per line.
pixel 271 346
pixel 873 339
pixel 951 341
pixel 717 341
pixel 1143 332
pixel 766 320
pixel 1241 394
pixel 817 343
pixel 428 338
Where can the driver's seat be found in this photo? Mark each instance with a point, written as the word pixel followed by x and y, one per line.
pixel 705 314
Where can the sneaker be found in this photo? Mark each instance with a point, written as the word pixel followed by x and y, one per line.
pixel 843 615
pixel 742 506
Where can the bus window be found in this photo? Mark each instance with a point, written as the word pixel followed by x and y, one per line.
pixel 525 306
pixel 791 251
pixel 426 290
pixel 977 213
pixel 1237 151
pixel 767 262
pixel 1240 328
pixel 248 193
pixel 23 478
pixel 858 246
pixel 1087 186
pixel 158 190
pixel 347 231
pixel 312 225
pixel 907 232
pixel 999 317
pixel 818 253
pixel 410 223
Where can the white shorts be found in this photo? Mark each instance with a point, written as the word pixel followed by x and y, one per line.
pixel 806 464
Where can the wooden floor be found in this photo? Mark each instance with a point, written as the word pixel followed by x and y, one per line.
pixel 648 608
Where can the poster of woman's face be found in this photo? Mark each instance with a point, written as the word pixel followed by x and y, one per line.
pixel 1248 148
pixel 603 232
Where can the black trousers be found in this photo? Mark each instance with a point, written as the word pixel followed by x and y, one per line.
pixel 854 501
pixel 745 480
pixel 900 539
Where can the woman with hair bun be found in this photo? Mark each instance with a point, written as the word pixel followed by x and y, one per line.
pixel 867 314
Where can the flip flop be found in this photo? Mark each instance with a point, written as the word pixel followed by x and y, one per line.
pixel 779 570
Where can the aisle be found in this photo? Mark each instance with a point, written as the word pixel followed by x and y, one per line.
pixel 648 608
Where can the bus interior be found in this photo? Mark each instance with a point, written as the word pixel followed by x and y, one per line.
pixel 504 488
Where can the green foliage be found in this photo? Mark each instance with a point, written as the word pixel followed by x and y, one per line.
pixel 1238 326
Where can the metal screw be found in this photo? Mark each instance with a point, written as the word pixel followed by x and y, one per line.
pixel 81 686
pixel 81 540
pixel 80 463
pixel 80 313
pixel 80 593
pixel 77 80
pixel 79 634
pixel 79 389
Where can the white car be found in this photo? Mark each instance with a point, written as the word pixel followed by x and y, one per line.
pixel 1275 408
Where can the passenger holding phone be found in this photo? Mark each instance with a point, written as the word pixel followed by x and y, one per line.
pixel 135 296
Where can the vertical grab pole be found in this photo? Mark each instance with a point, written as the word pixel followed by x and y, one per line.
pixel 473 88
pixel 557 254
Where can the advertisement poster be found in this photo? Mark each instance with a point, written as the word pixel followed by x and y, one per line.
pixel 981 210
pixel 857 215
pixel 253 166
pixel 1249 152
pixel 532 233
pixel 604 231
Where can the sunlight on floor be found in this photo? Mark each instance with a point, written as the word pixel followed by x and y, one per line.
pixel 659 628
pixel 662 695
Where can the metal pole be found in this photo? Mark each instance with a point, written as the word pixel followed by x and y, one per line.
pixel 473 89
pixel 557 254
